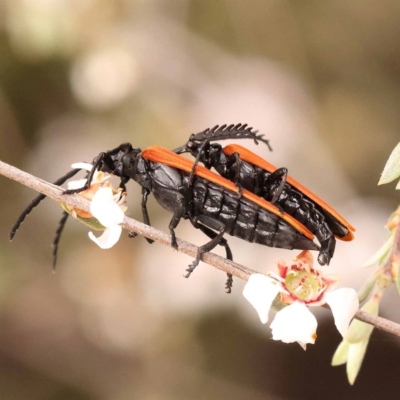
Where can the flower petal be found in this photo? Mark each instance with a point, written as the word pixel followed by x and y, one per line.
pixel 305 257
pixel 105 209
pixel 109 237
pixel 261 291
pixel 79 183
pixel 282 268
pixel 82 165
pixel 331 281
pixel 344 304
pixel 294 323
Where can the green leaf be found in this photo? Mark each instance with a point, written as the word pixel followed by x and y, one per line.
pixel 341 354
pixel 367 287
pixel 382 253
pixel 392 167
pixel 90 222
pixel 358 330
pixel 355 359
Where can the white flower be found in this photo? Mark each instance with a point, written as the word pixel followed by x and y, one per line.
pixel 106 209
pixel 300 286
pixel 261 291
pixel 109 214
pixel 294 324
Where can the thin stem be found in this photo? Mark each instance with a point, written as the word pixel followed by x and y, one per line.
pixel 55 193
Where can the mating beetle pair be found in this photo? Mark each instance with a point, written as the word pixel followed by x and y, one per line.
pixel 250 199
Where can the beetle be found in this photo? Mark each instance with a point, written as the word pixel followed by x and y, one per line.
pixel 210 202
pixel 251 172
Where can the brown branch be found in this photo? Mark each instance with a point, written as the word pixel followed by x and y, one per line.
pixel 240 271
pixel 55 193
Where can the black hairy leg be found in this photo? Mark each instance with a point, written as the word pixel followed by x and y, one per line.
pixel 224 243
pixel 210 223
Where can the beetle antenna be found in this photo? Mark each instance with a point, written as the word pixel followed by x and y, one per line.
pixel 56 240
pixel 223 132
pixel 36 202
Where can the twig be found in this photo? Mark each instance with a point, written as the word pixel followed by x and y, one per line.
pixel 240 271
pixel 55 193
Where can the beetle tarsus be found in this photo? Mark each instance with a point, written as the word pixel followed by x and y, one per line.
pixel 229 283
pixel 327 250
pixel 191 268
pixel 323 258
pixel 174 243
pixel 224 243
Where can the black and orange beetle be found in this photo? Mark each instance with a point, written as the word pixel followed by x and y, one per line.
pixel 251 172
pixel 209 201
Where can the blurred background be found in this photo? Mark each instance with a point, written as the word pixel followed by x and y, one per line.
pixel 320 79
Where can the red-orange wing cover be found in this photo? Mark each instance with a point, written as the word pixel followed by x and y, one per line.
pixel 167 157
pixel 250 157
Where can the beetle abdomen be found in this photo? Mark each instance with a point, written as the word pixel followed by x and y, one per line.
pixel 246 220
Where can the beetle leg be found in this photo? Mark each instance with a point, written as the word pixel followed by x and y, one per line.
pixel 146 219
pixel 56 240
pixel 224 243
pixel 280 173
pixel 178 214
pixel 122 184
pixel 234 164
pixel 196 162
pixel 211 224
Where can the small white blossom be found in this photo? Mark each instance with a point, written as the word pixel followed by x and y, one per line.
pixel 107 207
pixel 300 286
pixel 109 214
pixel 344 304
pixel 294 323
pixel 261 291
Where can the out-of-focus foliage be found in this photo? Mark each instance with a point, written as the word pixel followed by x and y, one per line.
pixel 319 79
pixel 392 168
